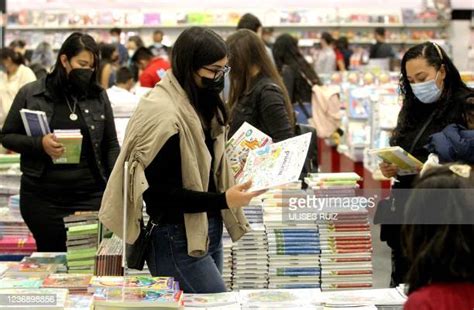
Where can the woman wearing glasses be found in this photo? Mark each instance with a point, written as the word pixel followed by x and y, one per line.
pixel 257 93
pixel 175 145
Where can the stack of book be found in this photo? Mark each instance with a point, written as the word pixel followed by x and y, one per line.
pixel 346 242
pixel 346 258
pixel 8 161
pixel 250 261
pixel 254 212
pixel 75 283
pixel 55 258
pixel 72 142
pixel 109 257
pixel 16 240
pixel 135 292
pixel 14 205
pixel 324 185
pixel 227 266
pixel 293 246
pixel 294 257
pixel 82 241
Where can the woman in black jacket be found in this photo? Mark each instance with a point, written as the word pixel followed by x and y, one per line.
pixel 434 97
pixel 257 95
pixel 298 75
pixel 71 99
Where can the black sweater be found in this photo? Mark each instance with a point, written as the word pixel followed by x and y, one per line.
pixel 263 107
pixel 166 199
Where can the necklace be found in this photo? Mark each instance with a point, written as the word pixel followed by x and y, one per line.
pixel 73 116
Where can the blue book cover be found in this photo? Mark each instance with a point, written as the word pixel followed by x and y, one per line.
pixel 35 122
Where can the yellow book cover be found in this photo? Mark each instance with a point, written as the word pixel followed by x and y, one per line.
pixel 407 163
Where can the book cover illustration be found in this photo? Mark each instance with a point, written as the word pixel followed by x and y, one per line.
pixel 67 280
pixel 246 138
pixel 276 164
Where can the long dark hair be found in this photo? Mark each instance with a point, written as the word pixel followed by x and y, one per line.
pixel 15 57
pixel 246 52
pixel 106 52
pixel 439 253
pixel 195 48
pixel 287 53
pixel 413 112
pixel 73 46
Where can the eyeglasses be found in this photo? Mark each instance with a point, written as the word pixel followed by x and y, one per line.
pixel 218 73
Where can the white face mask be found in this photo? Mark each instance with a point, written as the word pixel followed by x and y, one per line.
pixel 427 92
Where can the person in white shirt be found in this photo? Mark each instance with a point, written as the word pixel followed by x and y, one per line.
pixel 13 76
pixel 326 61
pixel 122 99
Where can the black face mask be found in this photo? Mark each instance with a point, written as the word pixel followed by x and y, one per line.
pixel 215 86
pixel 80 80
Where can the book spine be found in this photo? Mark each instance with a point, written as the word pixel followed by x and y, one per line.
pixel 25 123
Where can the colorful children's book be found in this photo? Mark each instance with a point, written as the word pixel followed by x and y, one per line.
pixel 21 281
pixel 129 298
pixel 67 281
pixel 246 138
pixel 156 283
pixel 276 164
pixel 32 269
pixel 46 258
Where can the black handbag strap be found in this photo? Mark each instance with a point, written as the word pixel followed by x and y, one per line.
pixel 421 132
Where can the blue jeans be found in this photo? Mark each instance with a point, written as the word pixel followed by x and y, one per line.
pixel 168 256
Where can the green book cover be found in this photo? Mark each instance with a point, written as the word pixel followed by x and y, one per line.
pixel 72 150
pixel 81 254
pixel 84 229
pixel 78 263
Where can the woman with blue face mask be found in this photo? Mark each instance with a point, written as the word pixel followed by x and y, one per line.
pixel 434 96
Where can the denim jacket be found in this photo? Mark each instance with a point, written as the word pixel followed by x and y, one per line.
pixel 96 112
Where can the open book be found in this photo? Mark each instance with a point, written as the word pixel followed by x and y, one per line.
pixel 276 164
pixel 245 139
pixel 407 164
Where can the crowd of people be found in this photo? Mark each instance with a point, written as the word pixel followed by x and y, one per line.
pixel 175 139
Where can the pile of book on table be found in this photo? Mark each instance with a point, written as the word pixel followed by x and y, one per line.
pixel 346 243
pixel 82 241
pixel 250 260
pixel 293 246
pixel 135 292
pixel 16 240
pixel 109 257
pixel 227 264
